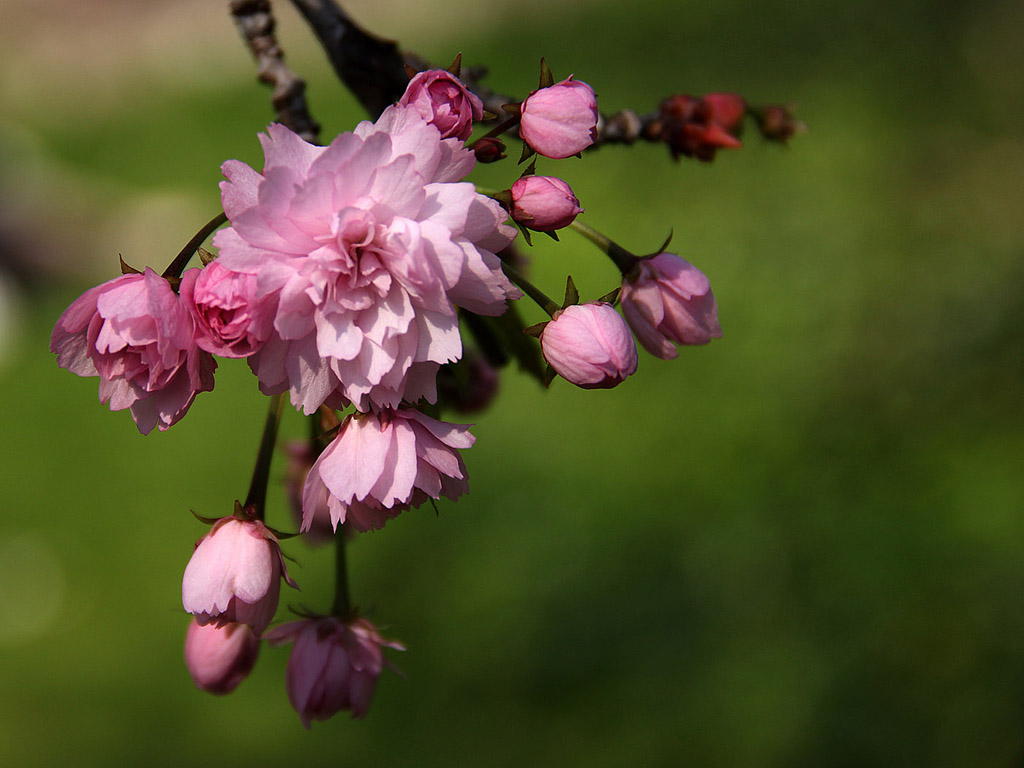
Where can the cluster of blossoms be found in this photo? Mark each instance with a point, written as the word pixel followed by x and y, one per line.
pixel 341 278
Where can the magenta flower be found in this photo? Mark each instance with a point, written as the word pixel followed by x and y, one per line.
pixel 544 203
pixel 367 245
pixel 590 346
pixel 380 464
pixel 219 658
pixel 669 301
pixel 235 575
pixel 444 102
pixel 561 120
pixel 229 319
pixel 135 334
pixel 332 666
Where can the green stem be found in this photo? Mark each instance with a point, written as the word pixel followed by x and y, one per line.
pixel 530 289
pixel 341 608
pixel 256 499
pixel 176 267
pixel 623 259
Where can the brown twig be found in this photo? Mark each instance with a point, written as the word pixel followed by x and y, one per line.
pixel 256 24
pixel 371 67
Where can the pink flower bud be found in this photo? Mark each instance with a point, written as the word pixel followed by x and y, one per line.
pixel 589 345
pixel 230 320
pixel 235 575
pixel 544 203
pixel 669 301
pixel 219 658
pixel 561 120
pixel 444 102
pixel 333 665
pixel 136 335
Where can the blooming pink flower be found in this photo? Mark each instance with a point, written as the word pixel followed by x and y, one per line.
pixel 135 334
pixel 589 345
pixel 544 203
pixel 219 658
pixel 332 666
pixel 229 319
pixel 443 101
pixel 235 575
pixel 380 464
pixel 700 127
pixel 561 120
pixel 669 301
pixel 367 244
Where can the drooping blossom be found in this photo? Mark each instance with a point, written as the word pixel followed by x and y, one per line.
pixel 561 120
pixel 469 385
pixel 380 464
pixel 589 345
pixel 367 244
pixel 235 575
pixel 668 301
pixel 230 320
pixel 698 128
pixel 220 657
pixel 444 101
pixel 301 457
pixel 333 665
pixel 137 336
pixel 544 203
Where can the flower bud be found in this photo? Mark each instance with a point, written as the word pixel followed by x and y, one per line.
pixel 219 658
pixel 230 320
pixel 489 149
pixel 778 123
pixel 333 665
pixel 444 102
pixel 669 301
pixel 544 203
pixel 235 575
pixel 589 345
pixel 561 120
pixel 700 127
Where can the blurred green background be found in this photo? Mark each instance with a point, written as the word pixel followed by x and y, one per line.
pixel 802 545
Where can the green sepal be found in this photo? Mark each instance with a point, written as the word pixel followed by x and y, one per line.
pixel 549 376
pixel 201 519
pixel 572 295
pixel 127 270
pixel 536 329
pixel 205 256
pixel 546 78
pixel 455 68
pixel 528 152
pixel 612 297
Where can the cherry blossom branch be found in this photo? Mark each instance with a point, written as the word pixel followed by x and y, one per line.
pixel 256 24
pixel 342 606
pixel 371 67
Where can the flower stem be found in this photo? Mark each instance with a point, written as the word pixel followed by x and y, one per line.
pixel 176 267
pixel 623 259
pixel 530 289
pixel 256 499
pixel 341 607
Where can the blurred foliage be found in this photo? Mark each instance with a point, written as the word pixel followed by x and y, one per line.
pixel 802 545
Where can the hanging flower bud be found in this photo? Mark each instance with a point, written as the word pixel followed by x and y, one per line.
pixel 137 336
pixel 544 203
pixel 333 665
pixel 235 575
pixel 469 385
pixel 219 658
pixel 669 301
pixel 489 149
pixel 589 345
pixel 561 120
pixel 444 102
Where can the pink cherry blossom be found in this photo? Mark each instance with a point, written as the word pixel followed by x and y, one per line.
pixel 220 657
pixel 380 464
pixel 333 665
pixel 561 120
pixel 235 575
pixel 136 335
pixel 367 245
pixel 229 319
pixel 669 301
pixel 544 203
pixel 444 102
pixel 590 346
